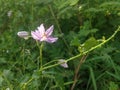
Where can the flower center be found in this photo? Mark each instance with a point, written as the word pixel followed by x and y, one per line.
pixel 44 37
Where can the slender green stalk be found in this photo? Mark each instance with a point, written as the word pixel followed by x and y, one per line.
pixel 40 50
pixel 23 58
pixel 38 62
pixel 25 84
pixel 53 61
pixel 93 78
pixel 67 83
pixel 93 48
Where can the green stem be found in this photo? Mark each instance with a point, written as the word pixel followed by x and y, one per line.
pixel 40 51
pixel 67 83
pixel 38 62
pixel 25 84
pixel 23 52
pixel 41 48
pixel 93 48
pixel 50 62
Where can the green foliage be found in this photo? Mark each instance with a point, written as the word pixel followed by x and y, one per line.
pixel 79 24
pixel 91 42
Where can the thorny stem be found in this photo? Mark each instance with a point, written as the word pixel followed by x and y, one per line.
pixel 93 48
pixel 77 70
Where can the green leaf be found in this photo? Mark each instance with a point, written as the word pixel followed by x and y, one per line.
pixel 75 42
pixel 85 32
pixel 113 75
pixel 91 42
pixel 93 78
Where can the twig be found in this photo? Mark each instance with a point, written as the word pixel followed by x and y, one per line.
pixel 77 70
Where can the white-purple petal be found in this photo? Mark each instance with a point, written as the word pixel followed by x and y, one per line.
pixel 41 30
pixel 51 39
pixel 35 35
pixel 43 35
pixel 49 31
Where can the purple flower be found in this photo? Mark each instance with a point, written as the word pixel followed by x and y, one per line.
pixel 64 64
pixel 23 34
pixel 42 35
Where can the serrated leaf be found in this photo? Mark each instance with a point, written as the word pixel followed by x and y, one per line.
pixel 91 42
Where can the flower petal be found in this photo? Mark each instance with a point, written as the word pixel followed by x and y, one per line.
pixel 35 35
pixel 49 30
pixel 64 64
pixel 51 39
pixel 41 30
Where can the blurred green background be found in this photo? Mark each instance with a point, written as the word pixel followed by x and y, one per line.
pixel 76 23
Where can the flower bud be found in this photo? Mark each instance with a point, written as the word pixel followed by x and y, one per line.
pixel 63 63
pixel 23 34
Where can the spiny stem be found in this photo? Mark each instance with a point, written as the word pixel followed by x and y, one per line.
pixel 93 48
